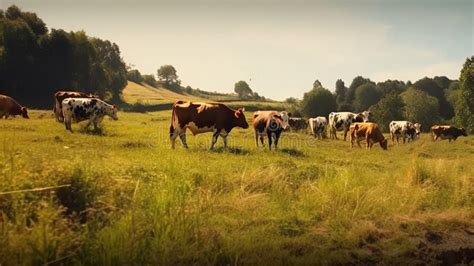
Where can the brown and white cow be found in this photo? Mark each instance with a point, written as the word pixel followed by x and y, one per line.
pixel 61 95
pixel 204 117
pixel 9 107
pixel 270 123
pixel 342 121
pixel 447 132
pixel 369 132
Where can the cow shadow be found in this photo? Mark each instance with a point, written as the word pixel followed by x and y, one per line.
pixel 232 150
pixel 92 131
pixel 292 152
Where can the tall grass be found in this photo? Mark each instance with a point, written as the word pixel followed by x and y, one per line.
pixel 132 200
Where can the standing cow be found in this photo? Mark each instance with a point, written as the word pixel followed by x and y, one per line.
pixel 61 95
pixel 270 123
pixel 318 126
pixel 80 109
pixel 369 132
pixel 297 123
pixel 204 117
pixel 9 107
pixel 342 121
pixel 447 132
pixel 404 129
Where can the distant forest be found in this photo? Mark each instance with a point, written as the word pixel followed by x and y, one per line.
pixel 35 62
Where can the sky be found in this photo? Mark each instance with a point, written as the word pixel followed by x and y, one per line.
pixel 279 47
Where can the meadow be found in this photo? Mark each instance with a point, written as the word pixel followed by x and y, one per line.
pixel 133 200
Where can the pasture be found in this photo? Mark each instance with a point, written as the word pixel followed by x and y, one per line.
pixel 133 200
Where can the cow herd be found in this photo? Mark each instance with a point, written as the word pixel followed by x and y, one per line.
pixel 219 119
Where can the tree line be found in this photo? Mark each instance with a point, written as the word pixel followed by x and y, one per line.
pixel 427 101
pixel 35 61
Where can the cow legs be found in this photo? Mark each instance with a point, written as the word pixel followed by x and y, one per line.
pixel 345 134
pixel 215 135
pixel 256 137
pixel 223 135
pixel 173 135
pixel 182 137
pixel 270 139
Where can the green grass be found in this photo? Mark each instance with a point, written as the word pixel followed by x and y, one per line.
pixel 133 200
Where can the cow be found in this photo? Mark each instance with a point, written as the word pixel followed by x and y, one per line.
pixel 204 117
pixel 369 132
pixel 270 123
pixel 92 109
pixel 297 123
pixel 61 95
pixel 447 132
pixel 342 121
pixel 318 126
pixel 9 107
pixel 404 129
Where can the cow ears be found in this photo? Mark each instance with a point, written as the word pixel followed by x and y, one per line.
pixel 239 112
pixel 289 114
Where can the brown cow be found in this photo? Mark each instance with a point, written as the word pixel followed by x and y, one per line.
pixel 271 123
pixel 9 107
pixel 368 131
pixel 61 95
pixel 447 132
pixel 204 117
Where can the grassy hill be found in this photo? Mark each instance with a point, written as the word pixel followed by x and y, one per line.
pixel 133 200
pixel 150 98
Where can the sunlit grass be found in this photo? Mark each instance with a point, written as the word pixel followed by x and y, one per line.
pixel 136 201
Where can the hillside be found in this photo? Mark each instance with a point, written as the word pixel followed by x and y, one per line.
pixel 153 99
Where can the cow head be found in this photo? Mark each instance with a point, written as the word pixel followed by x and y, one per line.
pixel 24 112
pixel 463 131
pixel 285 117
pixel 384 144
pixel 364 116
pixel 240 120
pixel 113 112
pixel 417 127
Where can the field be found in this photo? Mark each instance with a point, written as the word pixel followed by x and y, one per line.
pixel 133 200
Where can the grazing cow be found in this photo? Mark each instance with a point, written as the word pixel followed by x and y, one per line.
pixel 9 107
pixel 318 126
pixel 271 123
pixel 403 129
pixel 342 121
pixel 447 132
pixel 80 109
pixel 204 117
pixel 61 95
pixel 369 132
pixel 297 123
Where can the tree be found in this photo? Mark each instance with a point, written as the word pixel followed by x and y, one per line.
pixel 341 91
pixel 150 80
pixel 291 100
pixel 318 102
pixel 243 90
pixel 391 86
pixel 366 95
pixel 431 87
pixel 135 76
pixel 465 104
pixel 420 107
pixel 317 84
pixel 168 74
pixel 389 108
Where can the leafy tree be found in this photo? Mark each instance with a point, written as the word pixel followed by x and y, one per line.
pixel 391 86
pixel 431 87
pixel 168 74
pixel 341 91
pixel 356 82
pixel 389 108
pixel 465 104
pixel 291 100
pixel 150 80
pixel 318 102
pixel 366 95
pixel 135 76
pixel 317 84
pixel 243 90
pixel 420 107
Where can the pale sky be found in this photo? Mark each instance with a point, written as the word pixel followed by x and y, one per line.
pixel 278 47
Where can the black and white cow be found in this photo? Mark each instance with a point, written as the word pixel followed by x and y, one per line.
pixel 318 126
pixel 342 121
pixel 80 109
pixel 404 129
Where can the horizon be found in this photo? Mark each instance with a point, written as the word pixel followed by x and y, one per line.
pixel 280 49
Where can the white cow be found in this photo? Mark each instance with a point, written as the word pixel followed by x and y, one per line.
pixel 318 126
pixel 342 121
pixel 404 129
pixel 80 109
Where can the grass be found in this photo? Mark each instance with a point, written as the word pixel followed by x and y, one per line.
pixel 133 200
